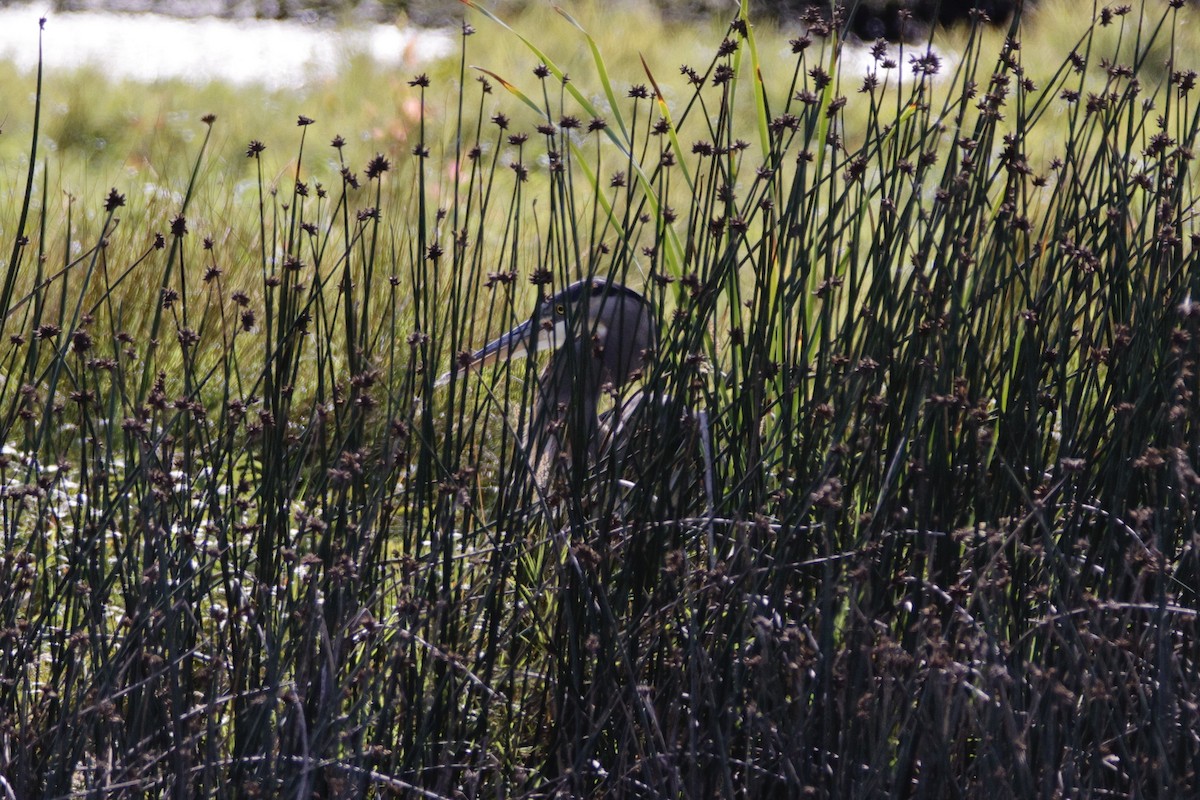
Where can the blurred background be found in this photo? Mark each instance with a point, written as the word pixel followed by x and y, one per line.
pixel 871 19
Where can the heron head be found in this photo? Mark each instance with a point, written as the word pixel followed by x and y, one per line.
pixel 604 322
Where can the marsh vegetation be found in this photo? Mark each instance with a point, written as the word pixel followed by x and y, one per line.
pixel 944 332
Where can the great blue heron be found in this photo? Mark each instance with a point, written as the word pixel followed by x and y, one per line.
pixel 600 334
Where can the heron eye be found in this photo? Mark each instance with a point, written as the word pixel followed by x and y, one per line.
pixel 560 309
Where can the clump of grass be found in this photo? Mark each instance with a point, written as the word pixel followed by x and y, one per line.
pixel 945 369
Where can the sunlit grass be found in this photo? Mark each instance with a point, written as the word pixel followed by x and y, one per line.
pixel 141 138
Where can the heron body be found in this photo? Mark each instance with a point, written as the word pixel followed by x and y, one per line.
pixel 599 334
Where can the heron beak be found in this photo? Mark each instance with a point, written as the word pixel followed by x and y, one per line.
pixel 506 347
pixel 515 344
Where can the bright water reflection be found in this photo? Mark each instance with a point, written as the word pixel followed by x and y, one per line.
pixel 150 47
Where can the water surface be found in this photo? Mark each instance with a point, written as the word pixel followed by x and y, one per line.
pixel 151 47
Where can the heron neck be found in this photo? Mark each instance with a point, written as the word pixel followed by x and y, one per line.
pixel 566 419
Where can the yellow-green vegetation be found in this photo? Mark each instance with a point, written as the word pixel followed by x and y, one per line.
pixel 143 138
pixel 930 348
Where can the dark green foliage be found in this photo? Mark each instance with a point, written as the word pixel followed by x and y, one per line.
pixel 936 393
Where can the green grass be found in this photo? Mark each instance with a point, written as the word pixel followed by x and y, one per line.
pixel 946 370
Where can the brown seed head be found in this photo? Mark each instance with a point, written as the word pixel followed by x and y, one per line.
pixel 377 166
pixel 114 201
